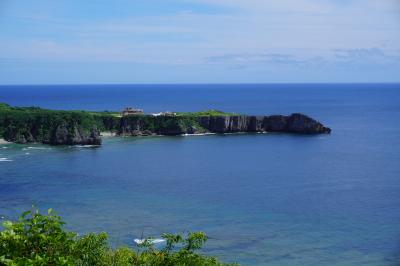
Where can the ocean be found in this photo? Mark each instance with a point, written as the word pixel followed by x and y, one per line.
pixel 263 199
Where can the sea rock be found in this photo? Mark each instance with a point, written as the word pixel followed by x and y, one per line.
pixel 299 123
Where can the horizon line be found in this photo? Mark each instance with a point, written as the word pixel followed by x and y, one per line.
pixel 200 83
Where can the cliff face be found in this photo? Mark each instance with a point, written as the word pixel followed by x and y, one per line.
pixel 295 123
pixel 55 127
pixel 74 135
pixel 32 124
pixel 299 123
pixel 62 134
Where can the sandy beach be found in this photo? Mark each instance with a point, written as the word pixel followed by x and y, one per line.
pixel 2 141
pixel 107 134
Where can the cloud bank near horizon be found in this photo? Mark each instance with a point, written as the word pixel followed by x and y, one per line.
pixel 199 41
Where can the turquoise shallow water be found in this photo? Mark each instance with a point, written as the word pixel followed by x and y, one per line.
pixel 264 199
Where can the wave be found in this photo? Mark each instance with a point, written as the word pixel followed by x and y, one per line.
pixel 5 160
pixel 85 146
pixel 37 148
pixel 198 134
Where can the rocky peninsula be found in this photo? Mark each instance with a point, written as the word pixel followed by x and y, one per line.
pixel 33 124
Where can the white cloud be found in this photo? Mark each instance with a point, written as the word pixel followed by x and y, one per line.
pixel 246 32
pixel 338 60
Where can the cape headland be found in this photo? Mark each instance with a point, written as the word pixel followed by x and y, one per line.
pixel 55 127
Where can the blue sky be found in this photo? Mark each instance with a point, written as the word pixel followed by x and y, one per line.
pixel 199 41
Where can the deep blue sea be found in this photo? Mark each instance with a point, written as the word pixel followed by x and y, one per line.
pixel 264 199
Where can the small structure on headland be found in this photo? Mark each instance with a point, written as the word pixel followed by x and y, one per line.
pixel 167 113
pixel 131 111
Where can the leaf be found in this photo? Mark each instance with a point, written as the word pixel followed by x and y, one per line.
pixel 8 224
pixel 24 214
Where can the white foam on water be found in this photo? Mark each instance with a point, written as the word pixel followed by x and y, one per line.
pixel 5 160
pixel 27 153
pixel 152 241
pixel 198 134
pixel 38 148
pixel 235 133
pixel 85 146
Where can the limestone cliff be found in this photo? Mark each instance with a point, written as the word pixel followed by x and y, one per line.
pixel 62 134
pixel 32 124
pixel 146 125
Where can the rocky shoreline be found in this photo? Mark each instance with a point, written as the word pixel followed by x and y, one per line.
pixel 36 125
pixel 295 123
pixel 146 125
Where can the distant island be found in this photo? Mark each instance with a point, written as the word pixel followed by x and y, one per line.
pixel 55 127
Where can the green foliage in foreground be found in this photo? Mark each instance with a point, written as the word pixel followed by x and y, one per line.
pixel 38 239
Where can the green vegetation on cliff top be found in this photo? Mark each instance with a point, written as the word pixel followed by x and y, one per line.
pixel 21 123
pixel 206 113
pixel 24 122
pixel 37 239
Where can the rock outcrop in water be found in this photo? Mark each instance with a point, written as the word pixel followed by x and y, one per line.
pixel 32 124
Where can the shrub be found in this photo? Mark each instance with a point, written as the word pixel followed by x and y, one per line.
pixel 38 239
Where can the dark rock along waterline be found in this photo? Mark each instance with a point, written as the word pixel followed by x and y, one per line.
pixel 73 133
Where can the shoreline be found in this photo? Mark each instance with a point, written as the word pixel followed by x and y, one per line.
pixel 107 134
pixel 3 141
pixel 58 129
pixel 198 134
